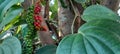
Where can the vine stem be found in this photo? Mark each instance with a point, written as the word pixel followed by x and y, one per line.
pixel 72 26
pixel 77 14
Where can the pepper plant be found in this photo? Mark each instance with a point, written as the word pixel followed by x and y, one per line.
pixel 58 27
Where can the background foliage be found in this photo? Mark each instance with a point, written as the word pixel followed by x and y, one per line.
pixel 9 13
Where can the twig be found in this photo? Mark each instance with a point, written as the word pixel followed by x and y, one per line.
pixel 46 15
pixel 77 14
pixel 53 28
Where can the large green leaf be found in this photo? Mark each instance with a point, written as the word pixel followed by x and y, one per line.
pixel 10 45
pixel 1 1
pixel 100 35
pixel 94 37
pixel 10 15
pixel 106 24
pixel 49 49
pixel 99 12
pixel 5 5
pixel 2 8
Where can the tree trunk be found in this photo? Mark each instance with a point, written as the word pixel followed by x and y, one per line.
pixel 26 4
pixel 65 19
pixel 112 4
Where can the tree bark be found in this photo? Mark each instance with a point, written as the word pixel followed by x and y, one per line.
pixel 112 4
pixel 26 4
pixel 65 19
pixel 45 36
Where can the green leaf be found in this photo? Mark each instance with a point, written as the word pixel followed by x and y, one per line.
pixel 10 15
pixel 98 42
pixel 49 49
pixel 20 21
pixel 1 1
pixel 4 6
pixel 2 34
pixel 99 12
pixel 20 1
pixel 94 37
pixel 105 24
pixel 54 6
pixel 10 45
pixel 80 1
pixel 24 29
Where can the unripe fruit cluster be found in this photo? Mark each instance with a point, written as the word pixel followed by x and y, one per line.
pixel 34 21
pixel 30 21
pixel 27 48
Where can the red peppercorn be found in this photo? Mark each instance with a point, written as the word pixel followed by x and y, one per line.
pixel 36 24
pixel 37 8
pixel 44 28
pixel 37 18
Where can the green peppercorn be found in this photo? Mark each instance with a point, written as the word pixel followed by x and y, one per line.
pixel 28 48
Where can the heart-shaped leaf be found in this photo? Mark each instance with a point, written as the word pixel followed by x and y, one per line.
pixel 100 35
pixel 99 12
pixel 93 39
pixel 106 24
pixel 10 45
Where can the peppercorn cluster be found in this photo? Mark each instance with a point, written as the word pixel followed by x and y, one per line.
pixel 27 47
pixel 34 21
pixel 38 18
